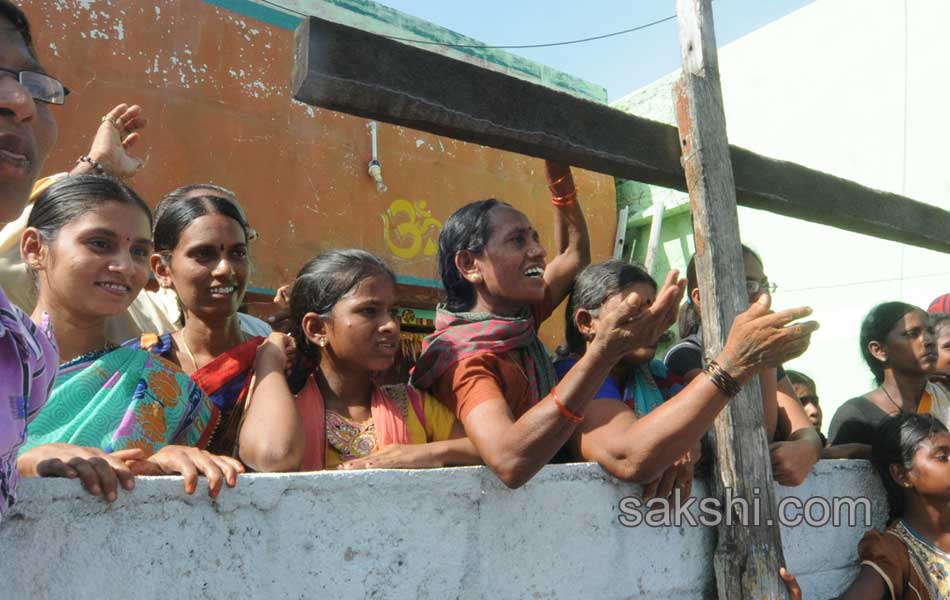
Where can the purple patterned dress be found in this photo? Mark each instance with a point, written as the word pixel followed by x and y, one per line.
pixel 28 362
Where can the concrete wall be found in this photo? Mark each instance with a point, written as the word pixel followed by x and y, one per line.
pixel 449 533
pixel 846 87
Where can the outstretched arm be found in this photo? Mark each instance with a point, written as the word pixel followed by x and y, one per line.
pixel 516 449
pixel 642 449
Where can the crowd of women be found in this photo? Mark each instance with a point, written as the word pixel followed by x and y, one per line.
pixel 103 380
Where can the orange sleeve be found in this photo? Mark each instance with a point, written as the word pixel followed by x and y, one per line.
pixel 887 555
pixel 468 383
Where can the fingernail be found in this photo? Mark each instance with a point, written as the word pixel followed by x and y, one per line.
pixel 95 490
pixel 110 496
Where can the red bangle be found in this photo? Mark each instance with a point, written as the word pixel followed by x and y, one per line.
pixel 567 199
pixel 565 411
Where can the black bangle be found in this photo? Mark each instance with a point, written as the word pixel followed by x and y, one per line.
pixel 722 380
pixel 100 170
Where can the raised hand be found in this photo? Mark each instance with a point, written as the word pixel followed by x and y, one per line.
pixel 276 352
pixel 760 338
pixel 633 324
pixel 117 134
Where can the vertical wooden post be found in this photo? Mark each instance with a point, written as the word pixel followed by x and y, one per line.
pixel 748 552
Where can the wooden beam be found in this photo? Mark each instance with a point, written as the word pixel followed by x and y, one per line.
pixel 354 71
pixel 748 555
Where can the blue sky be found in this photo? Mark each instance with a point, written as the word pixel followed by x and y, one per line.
pixel 621 64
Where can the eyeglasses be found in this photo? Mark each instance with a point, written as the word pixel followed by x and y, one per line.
pixel 41 87
pixel 753 287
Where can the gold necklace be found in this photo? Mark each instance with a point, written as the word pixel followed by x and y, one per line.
pixel 188 350
pixel 192 356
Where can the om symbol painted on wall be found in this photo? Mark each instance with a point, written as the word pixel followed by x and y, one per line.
pixel 409 229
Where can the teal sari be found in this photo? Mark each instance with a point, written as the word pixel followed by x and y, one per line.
pixel 123 398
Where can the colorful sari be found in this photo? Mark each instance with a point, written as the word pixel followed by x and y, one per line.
pixel 226 380
pixel 648 386
pixel 400 415
pixel 122 398
pixel 461 335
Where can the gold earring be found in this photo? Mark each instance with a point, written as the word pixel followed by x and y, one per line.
pixel 322 342
pixel 476 277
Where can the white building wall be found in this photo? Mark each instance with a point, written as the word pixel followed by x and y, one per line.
pixel 830 86
pixel 447 533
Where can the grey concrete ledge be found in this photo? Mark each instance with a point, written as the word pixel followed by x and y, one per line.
pixel 445 533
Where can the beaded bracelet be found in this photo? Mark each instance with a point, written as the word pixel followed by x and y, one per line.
pixel 722 379
pixel 95 164
pixel 565 411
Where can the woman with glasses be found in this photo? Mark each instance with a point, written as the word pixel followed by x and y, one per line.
pixel 28 355
pixel 796 445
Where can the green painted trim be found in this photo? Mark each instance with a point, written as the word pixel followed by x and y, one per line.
pixel 640 221
pixel 267 14
pixel 419 281
pixel 377 18
pixel 258 290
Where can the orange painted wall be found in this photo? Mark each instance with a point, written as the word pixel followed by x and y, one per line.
pixel 215 87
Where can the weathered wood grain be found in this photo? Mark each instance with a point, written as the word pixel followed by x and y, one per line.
pixel 354 71
pixel 748 555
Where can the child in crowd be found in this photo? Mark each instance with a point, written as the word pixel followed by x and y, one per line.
pixel 910 560
pixel 641 425
pixel 88 241
pixel 342 306
pixel 28 355
pixel 485 359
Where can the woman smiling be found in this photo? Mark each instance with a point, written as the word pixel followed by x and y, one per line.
pixel 485 359
pixel 88 241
